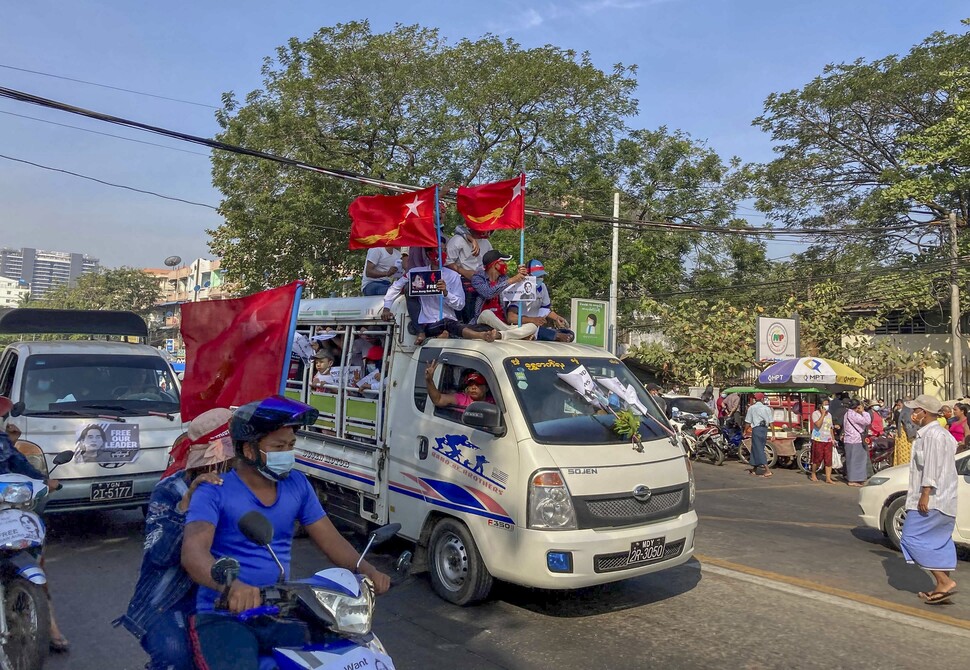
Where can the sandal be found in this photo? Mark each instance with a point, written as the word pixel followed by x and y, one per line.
pixel 937 597
pixel 60 645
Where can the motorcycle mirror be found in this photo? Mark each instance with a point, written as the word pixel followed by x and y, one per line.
pixel 64 457
pixel 385 533
pixel 224 571
pixel 257 528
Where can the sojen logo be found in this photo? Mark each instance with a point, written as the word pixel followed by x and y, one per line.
pixel 777 338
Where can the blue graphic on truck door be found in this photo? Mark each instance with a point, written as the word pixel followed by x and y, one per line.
pixel 458 451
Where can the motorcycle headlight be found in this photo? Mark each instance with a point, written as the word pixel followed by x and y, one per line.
pixel 350 615
pixel 18 494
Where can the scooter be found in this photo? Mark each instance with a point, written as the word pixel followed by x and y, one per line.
pixel 25 617
pixel 710 443
pixel 336 604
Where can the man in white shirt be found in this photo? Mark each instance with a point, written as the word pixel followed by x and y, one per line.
pixel 931 500
pixel 382 265
pixel 434 315
pixel 759 417
pixel 466 251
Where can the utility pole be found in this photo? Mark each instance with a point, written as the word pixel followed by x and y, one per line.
pixel 614 271
pixel 957 363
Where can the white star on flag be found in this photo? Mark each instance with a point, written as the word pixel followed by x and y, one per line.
pixel 412 207
pixel 518 188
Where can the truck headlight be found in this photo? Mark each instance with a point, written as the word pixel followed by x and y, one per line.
pixel 350 615
pixel 691 485
pixel 550 505
pixel 876 481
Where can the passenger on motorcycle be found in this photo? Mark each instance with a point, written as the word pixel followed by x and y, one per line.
pixel 263 435
pixel 165 595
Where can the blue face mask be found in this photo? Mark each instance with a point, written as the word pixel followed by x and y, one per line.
pixel 278 464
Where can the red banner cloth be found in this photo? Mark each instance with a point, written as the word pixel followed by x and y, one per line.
pixel 406 220
pixel 493 206
pixel 235 350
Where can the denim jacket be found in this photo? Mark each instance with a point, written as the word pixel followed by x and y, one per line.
pixel 163 585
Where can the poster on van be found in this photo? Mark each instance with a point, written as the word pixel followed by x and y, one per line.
pixel 110 445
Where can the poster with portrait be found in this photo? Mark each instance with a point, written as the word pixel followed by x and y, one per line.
pixel 108 444
pixel 17 525
pixel 522 291
pixel 423 282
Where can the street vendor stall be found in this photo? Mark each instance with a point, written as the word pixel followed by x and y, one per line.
pixel 791 426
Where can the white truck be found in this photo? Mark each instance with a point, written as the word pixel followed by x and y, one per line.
pixel 115 403
pixel 533 487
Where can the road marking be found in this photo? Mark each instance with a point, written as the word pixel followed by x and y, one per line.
pixel 904 614
pixel 756 488
pixel 801 524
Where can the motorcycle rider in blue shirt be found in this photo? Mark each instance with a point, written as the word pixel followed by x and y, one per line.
pixel 263 479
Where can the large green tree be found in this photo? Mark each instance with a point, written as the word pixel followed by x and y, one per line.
pixel 124 288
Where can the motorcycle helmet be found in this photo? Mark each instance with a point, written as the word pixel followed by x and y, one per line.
pixel 254 420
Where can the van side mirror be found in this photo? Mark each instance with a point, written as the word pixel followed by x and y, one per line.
pixel 483 416
pixel 18 408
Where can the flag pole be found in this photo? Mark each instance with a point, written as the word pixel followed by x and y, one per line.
pixel 441 274
pixel 521 262
pixel 297 295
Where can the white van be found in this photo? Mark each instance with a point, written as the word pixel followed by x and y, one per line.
pixel 115 403
pixel 533 487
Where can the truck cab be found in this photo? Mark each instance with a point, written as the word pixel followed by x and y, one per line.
pixel 114 403
pixel 531 485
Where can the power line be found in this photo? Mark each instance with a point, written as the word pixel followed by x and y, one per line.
pixel 107 183
pixel 98 132
pixel 113 88
pixel 399 187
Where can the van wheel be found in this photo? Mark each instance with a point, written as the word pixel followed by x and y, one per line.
pixel 892 524
pixel 458 573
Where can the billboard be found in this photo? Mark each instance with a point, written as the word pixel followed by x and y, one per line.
pixel 778 339
pixel 590 321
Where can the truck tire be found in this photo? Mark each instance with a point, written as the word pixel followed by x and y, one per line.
pixel 892 524
pixel 458 573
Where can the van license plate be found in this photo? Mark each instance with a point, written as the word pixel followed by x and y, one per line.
pixel 642 551
pixel 105 491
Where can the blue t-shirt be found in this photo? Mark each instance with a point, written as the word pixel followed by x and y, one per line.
pixel 223 507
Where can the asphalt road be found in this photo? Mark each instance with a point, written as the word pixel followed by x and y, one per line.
pixel 785 577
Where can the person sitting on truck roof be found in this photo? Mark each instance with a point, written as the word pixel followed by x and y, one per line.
pixel 430 315
pixel 475 389
pixel 538 311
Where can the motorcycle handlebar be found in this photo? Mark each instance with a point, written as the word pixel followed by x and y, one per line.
pixel 262 610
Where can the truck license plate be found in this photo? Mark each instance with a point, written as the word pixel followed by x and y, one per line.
pixel 107 491
pixel 642 551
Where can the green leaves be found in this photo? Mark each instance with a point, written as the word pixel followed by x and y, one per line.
pixel 124 288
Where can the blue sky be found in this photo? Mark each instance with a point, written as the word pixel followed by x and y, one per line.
pixel 705 66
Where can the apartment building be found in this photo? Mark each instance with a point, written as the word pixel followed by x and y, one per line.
pixel 44 270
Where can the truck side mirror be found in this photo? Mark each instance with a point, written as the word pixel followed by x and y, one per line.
pixel 484 416
pixel 963 467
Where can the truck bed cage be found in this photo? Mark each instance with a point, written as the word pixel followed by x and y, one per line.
pixel 31 321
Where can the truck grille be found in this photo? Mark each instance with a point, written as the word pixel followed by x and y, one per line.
pixel 619 561
pixel 625 510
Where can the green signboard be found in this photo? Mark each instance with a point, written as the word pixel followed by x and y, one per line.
pixel 590 322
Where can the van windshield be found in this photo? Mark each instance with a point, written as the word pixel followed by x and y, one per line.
pixel 98 384
pixel 572 400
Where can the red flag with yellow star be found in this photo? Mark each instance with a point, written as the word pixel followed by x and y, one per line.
pixel 406 220
pixel 494 206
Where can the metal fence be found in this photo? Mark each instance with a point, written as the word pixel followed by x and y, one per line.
pixel 948 380
pixel 903 385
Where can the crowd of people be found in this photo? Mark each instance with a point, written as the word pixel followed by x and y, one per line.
pixel 469 291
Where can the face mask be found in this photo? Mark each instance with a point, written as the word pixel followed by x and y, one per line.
pixel 371 368
pixel 502 268
pixel 43 384
pixel 540 281
pixel 825 407
pixel 278 463
pixel 876 408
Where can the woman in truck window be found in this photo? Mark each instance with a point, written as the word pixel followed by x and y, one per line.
pixel 475 390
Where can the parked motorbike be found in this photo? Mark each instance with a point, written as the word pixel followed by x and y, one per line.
pixel 698 436
pixel 336 605
pixel 25 618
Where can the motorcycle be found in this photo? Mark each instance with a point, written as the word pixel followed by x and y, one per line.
pixel 336 604
pixel 698 436
pixel 25 617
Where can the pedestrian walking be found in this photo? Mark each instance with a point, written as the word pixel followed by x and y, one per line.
pixel 759 417
pixel 855 424
pixel 931 501
pixel 823 437
pixel 905 434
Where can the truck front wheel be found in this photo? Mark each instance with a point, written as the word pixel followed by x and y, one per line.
pixel 458 573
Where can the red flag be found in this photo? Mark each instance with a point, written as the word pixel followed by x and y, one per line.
pixel 406 220
pixel 493 206
pixel 235 350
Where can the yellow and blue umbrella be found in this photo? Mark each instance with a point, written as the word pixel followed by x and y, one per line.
pixel 812 371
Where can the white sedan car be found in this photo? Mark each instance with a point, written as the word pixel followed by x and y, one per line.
pixel 883 501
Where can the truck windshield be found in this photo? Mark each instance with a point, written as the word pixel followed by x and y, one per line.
pixel 92 385
pixel 559 412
